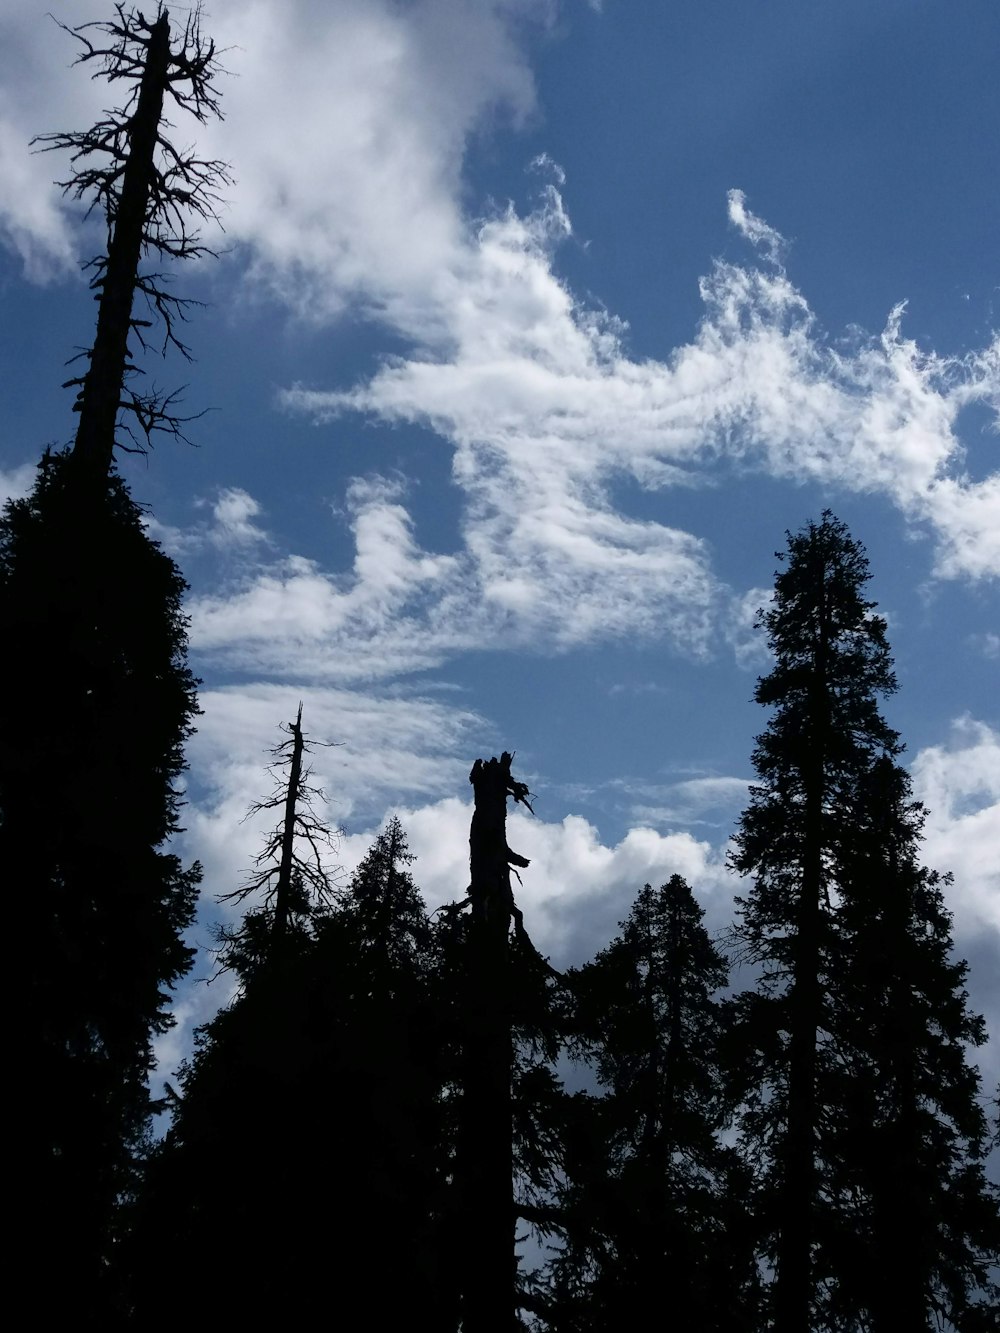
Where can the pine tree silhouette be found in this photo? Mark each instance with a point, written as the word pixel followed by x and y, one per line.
pixel 844 1111
pixel 654 1203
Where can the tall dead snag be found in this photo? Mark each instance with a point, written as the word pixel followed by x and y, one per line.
pixel 149 191
pixel 291 875
pixel 488 1294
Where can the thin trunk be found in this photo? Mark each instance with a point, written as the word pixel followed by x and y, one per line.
pixel 675 1015
pixel 651 1140
pixel 488 1205
pixel 100 395
pixel 793 1304
pixel 284 890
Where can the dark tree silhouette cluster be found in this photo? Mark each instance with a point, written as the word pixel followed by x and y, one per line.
pixel 412 1119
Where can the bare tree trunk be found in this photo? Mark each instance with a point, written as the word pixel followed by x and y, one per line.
pixel 100 395
pixel 488 1284
pixel 284 889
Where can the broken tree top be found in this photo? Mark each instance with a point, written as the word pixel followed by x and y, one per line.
pixel 493 779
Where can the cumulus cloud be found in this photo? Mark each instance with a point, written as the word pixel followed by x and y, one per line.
pixel 959 782
pixel 363 145
pixel 577 887
pixel 399 608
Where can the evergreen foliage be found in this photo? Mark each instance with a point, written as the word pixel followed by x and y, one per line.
pixel 652 1201
pixel 314 1099
pixel 95 703
pixel 860 1102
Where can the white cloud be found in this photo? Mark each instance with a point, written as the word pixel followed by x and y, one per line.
pixel 379 745
pixel 713 801
pixel 349 171
pixel 577 888
pixel 959 782
pixel 755 229
pixel 346 126
pixel 748 642
pixel 543 404
pixel 233 514
pixel 231 528
pixel 38 95
pixel 31 223
pixel 546 409
pixel 399 609
pixel 15 483
pixel 988 644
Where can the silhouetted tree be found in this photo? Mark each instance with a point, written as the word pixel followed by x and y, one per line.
pixel 655 1209
pixel 307 1153
pixel 912 1146
pixel 242 1149
pixel 831 663
pixel 485 1162
pixel 149 191
pixel 291 884
pixel 831 1036
pixel 389 1152
pixel 96 702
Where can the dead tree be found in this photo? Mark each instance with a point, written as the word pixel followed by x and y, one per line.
pixel 149 190
pixel 291 876
pixel 488 1269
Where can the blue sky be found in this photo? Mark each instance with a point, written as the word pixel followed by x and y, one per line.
pixel 537 325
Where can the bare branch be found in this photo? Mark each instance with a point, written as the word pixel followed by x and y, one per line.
pixel 153 194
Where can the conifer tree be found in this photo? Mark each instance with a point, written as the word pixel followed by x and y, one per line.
pixel 839 913
pixel 237 1154
pixel 914 1144
pixel 307 1152
pixel 389 1152
pixel 96 702
pixel 655 1211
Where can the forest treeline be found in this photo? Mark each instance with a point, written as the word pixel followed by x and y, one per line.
pixel 405 1118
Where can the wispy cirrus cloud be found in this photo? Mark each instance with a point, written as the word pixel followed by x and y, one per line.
pixel 546 408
